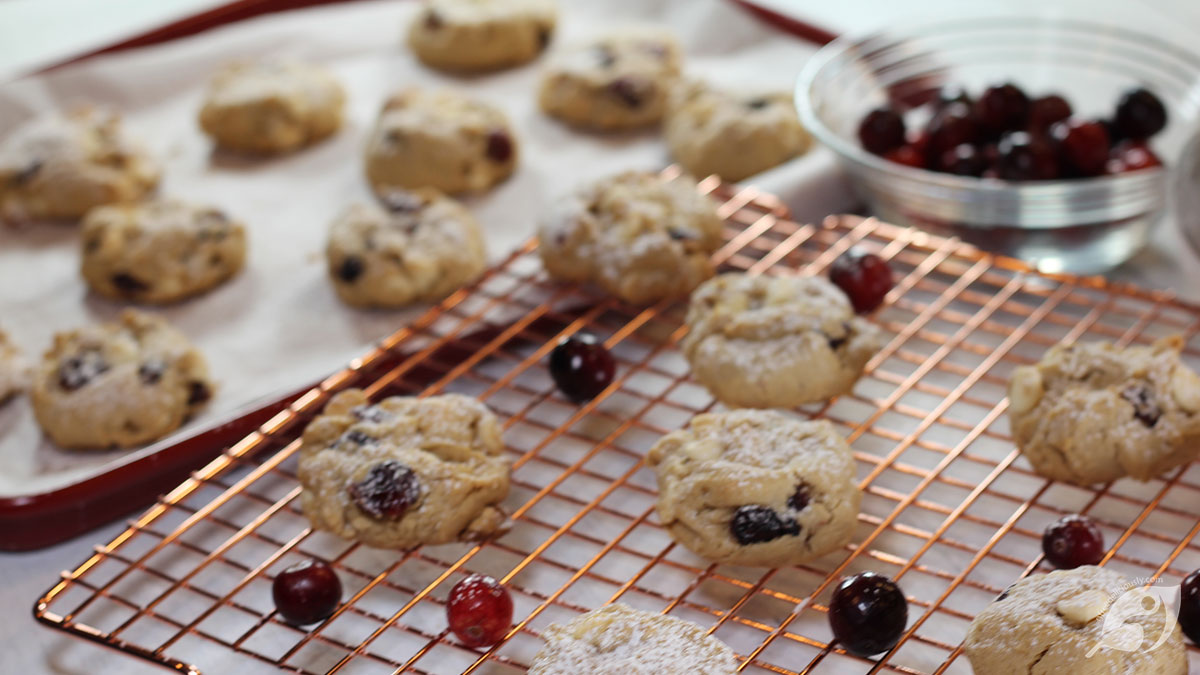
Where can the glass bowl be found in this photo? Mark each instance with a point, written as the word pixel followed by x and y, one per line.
pixel 1080 225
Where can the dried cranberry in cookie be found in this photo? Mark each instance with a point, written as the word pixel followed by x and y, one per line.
pixel 119 384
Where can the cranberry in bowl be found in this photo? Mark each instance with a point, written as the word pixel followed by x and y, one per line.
pixel 1035 138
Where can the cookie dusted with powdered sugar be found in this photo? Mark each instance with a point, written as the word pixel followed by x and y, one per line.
pixel 479 35
pixel 405 471
pixel 775 342
pixel 620 640
pixel 59 167
pixel 636 235
pixel 119 384
pixel 756 487
pixel 1093 413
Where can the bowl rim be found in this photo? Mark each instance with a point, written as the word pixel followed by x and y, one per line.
pixel 850 151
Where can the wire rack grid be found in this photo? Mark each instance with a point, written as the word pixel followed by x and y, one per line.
pixel 950 510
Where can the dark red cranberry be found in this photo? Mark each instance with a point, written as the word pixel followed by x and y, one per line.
pixel 632 91
pixel 1131 156
pixel 581 367
pixel 1084 145
pixel 499 146
pixel 1145 407
pixel 479 611
pixel 801 498
pixel 867 613
pixel 952 93
pixel 151 372
pixel 881 130
pixel 307 592
pixel 81 369
pixel 1023 156
pixel 951 127
pixel 1073 541
pixel 965 160
pixel 198 392
pixel 864 277
pixel 908 155
pixel 754 524
pixel 1140 114
pixel 351 268
pixel 1189 606
pixel 129 284
pixel 1002 108
pixel 1045 111
pixel 387 492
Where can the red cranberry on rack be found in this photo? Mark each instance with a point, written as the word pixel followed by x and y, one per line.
pixel 1084 145
pixel 1045 111
pixel 881 130
pixel 868 613
pixel 1002 108
pixel 307 592
pixel 1073 541
pixel 1140 114
pixel 581 367
pixel 1189 606
pixel 479 611
pixel 864 277
pixel 1023 156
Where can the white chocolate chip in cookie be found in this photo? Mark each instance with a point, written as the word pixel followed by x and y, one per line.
pixel 1083 608
pixel 1185 389
pixel 1025 389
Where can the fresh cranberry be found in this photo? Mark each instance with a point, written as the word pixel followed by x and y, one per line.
pixel 965 160
pixel 868 613
pixel 1073 541
pixel 1023 156
pixel 754 524
pixel 1084 145
pixel 864 277
pixel 908 155
pixel 881 130
pixel 306 592
pixel 1045 111
pixel 1189 606
pixel 479 611
pixel 1002 108
pixel 1140 114
pixel 1131 156
pixel 951 127
pixel 581 367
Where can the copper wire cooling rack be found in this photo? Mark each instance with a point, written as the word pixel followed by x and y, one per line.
pixel 950 510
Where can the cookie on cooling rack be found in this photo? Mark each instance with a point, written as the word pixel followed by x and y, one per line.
pixel 620 80
pixel 1075 621
pixel 422 247
pixel 160 251
pixel 271 106
pixel 60 167
pixel 636 235
pixel 14 370
pixel 775 342
pixel 620 640
pixel 710 131
pixel 405 471
pixel 439 139
pixel 756 487
pixel 119 384
pixel 1093 413
pixel 477 35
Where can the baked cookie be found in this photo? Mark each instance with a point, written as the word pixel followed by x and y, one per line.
pixel 756 487
pixel 1093 413
pixel 60 167
pixel 14 371
pixel 119 384
pixel 635 235
pixel 273 106
pixel 709 131
pixel 620 640
pixel 439 139
pixel 1085 621
pixel 423 247
pixel 775 342
pixel 478 35
pixel 618 81
pixel 159 251
pixel 405 471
